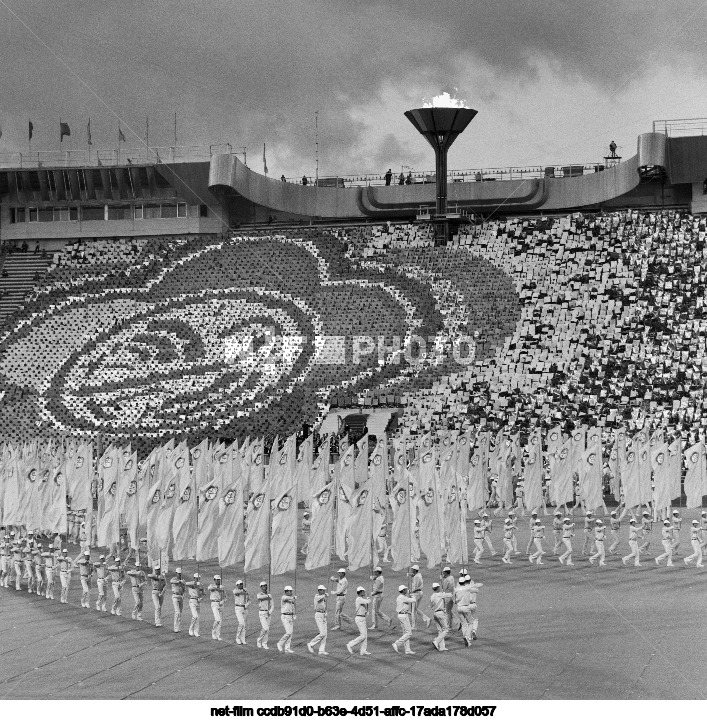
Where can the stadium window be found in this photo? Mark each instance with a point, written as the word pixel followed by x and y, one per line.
pixel 204 211
pixel 181 210
pixel 193 211
pixel 93 212
pixel 46 215
pixel 119 212
pixel 169 211
pixel 32 215
pixel 73 213
pixel 137 213
pixel 61 214
pixel 151 211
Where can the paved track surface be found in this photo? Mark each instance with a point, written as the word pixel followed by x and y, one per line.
pixel 548 632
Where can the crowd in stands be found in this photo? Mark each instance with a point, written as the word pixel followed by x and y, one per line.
pixel 575 320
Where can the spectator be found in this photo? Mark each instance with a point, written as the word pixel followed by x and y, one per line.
pixel 408 180
pixel 283 178
pixel 4 272
pixel 36 248
pixel 24 246
pixel 304 180
pixel 401 179
pixel 388 176
pixel 612 149
pixel 478 177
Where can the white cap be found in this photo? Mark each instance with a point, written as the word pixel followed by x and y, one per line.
pixel 321 588
pixel 239 582
pixel 360 588
pixel 66 550
pixel 178 570
pixel 676 513
pixel 263 583
pixel 342 570
pixel 558 513
pixel 567 520
pixel 379 569
pixel 534 513
pixel 100 557
pixel 402 588
pixel 435 585
pixel 666 523
pixel 599 522
pixel 415 567
pixel 589 513
pixel 484 515
pixel 446 568
pixel 695 523
pixel 477 523
pixel 633 520
pixel 217 578
pixel 613 513
pixel 288 588
pixel 196 575
pixel 87 553
pixel 467 578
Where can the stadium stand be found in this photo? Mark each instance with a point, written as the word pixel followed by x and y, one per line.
pixel 576 319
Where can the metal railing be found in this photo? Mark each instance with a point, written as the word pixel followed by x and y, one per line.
pixel 114 156
pixel 681 127
pixel 462 176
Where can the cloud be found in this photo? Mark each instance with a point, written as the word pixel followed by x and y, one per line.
pixel 255 71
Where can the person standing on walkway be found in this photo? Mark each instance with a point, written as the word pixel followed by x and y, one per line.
pixel 438 601
pixel 138 579
pixel 159 584
pixel 83 561
pixel 342 586
pixel 416 593
pixel 101 568
pixel 117 579
pixel 377 597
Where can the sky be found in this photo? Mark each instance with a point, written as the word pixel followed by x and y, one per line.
pixel 553 81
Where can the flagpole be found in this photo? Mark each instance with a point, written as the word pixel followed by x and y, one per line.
pixel 335 518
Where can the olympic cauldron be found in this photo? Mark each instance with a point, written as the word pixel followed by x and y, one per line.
pixel 441 126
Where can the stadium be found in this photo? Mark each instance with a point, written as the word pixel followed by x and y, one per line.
pixel 196 358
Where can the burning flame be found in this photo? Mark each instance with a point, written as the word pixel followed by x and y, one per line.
pixel 444 100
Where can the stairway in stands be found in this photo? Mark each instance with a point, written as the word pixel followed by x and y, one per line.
pixel 21 269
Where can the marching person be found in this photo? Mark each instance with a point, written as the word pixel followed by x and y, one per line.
pixel 677 526
pixel 514 525
pixel 377 597
pixel 117 579
pixel 599 536
pixel 287 618
pixel 382 540
pixel 264 612
pixel 557 532
pixel 179 586
pixel 462 599
pixel 538 534
pixel 666 536
pixel 633 536
pixel 83 561
pixel 647 528
pixel 101 568
pixel 614 528
pixel 361 621
pixel 241 599
pixel 479 535
pixel 507 541
pixel 138 579
pixel 588 534
pixel 320 609
pixel 473 589
pixel 567 534
pixel 16 551
pixel 64 563
pixel 696 535
pixel 438 601
pixel 416 593
pixel 487 524
pixel 531 527
pixel 217 597
pixel 403 604
pixel 49 562
pixel 159 584
pixel 38 569
pixel 196 592
pixel 4 560
pixel 342 586
pixel 29 561
pixel 448 586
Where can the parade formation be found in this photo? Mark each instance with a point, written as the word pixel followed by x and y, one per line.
pixel 423 496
